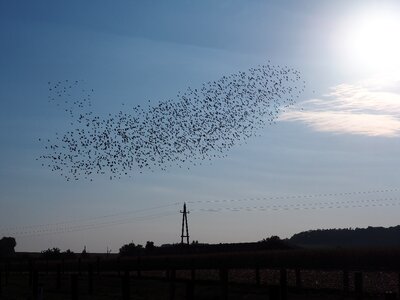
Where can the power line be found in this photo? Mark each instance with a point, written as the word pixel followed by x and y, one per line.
pixel 64 227
pixel 309 206
pixel 321 195
pixel 132 212
pixel 69 229
pixel 363 203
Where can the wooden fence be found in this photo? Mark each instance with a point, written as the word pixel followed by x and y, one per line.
pixel 129 269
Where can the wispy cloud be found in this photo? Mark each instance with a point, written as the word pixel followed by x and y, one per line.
pixel 370 107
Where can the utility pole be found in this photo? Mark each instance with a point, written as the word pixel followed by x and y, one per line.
pixel 185 228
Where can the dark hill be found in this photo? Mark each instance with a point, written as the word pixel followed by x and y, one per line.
pixel 359 237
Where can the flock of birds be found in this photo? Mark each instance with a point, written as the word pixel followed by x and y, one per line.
pixel 199 124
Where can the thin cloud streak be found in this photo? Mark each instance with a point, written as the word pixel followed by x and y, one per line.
pixel 347 122
pixel 370 108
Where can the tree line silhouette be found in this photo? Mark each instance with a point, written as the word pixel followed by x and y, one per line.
pixel 345 237
pixel 348 237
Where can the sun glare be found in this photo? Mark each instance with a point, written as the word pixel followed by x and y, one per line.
pixel 373 40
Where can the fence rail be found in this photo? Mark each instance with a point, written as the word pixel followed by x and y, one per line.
pixel 351 265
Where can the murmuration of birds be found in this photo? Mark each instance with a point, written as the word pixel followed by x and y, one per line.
pixel 199 124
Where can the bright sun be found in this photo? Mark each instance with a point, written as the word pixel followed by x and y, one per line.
pixel 373 39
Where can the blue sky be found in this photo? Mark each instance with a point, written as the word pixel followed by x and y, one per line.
pixel 346 138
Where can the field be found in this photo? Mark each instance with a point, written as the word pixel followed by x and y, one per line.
pixel 208 276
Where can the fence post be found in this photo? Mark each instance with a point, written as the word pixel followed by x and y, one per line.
pixel 358 285
pixel 119 266
pixel 40 292
pixel 172 276
pixel 265 271
pixel 258 281
pixel 190 290
pixel 74 287
pixel 30 270
pixel 58 280
pixel 7 271
pixel 346 281
pixel 223 276
pixel 274 292
pixel 125 286
pixel 98 265
pixel 139 273
pixel 6 274
pixel 35 284
pixel 283 284
pixel 298 278
pixel 79 266
pixel 90 278
pixel 193 274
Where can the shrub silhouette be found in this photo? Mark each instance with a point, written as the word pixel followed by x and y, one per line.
pixel 55 253
pixel 7 245
pixel 130 249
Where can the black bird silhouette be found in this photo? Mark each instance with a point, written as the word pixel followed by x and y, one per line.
pixel 200 124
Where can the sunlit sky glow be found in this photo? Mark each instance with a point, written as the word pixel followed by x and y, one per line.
pixel 341 136
pixel 364 108
pixel 369 37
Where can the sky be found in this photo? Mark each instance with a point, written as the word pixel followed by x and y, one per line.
pixel 330 161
